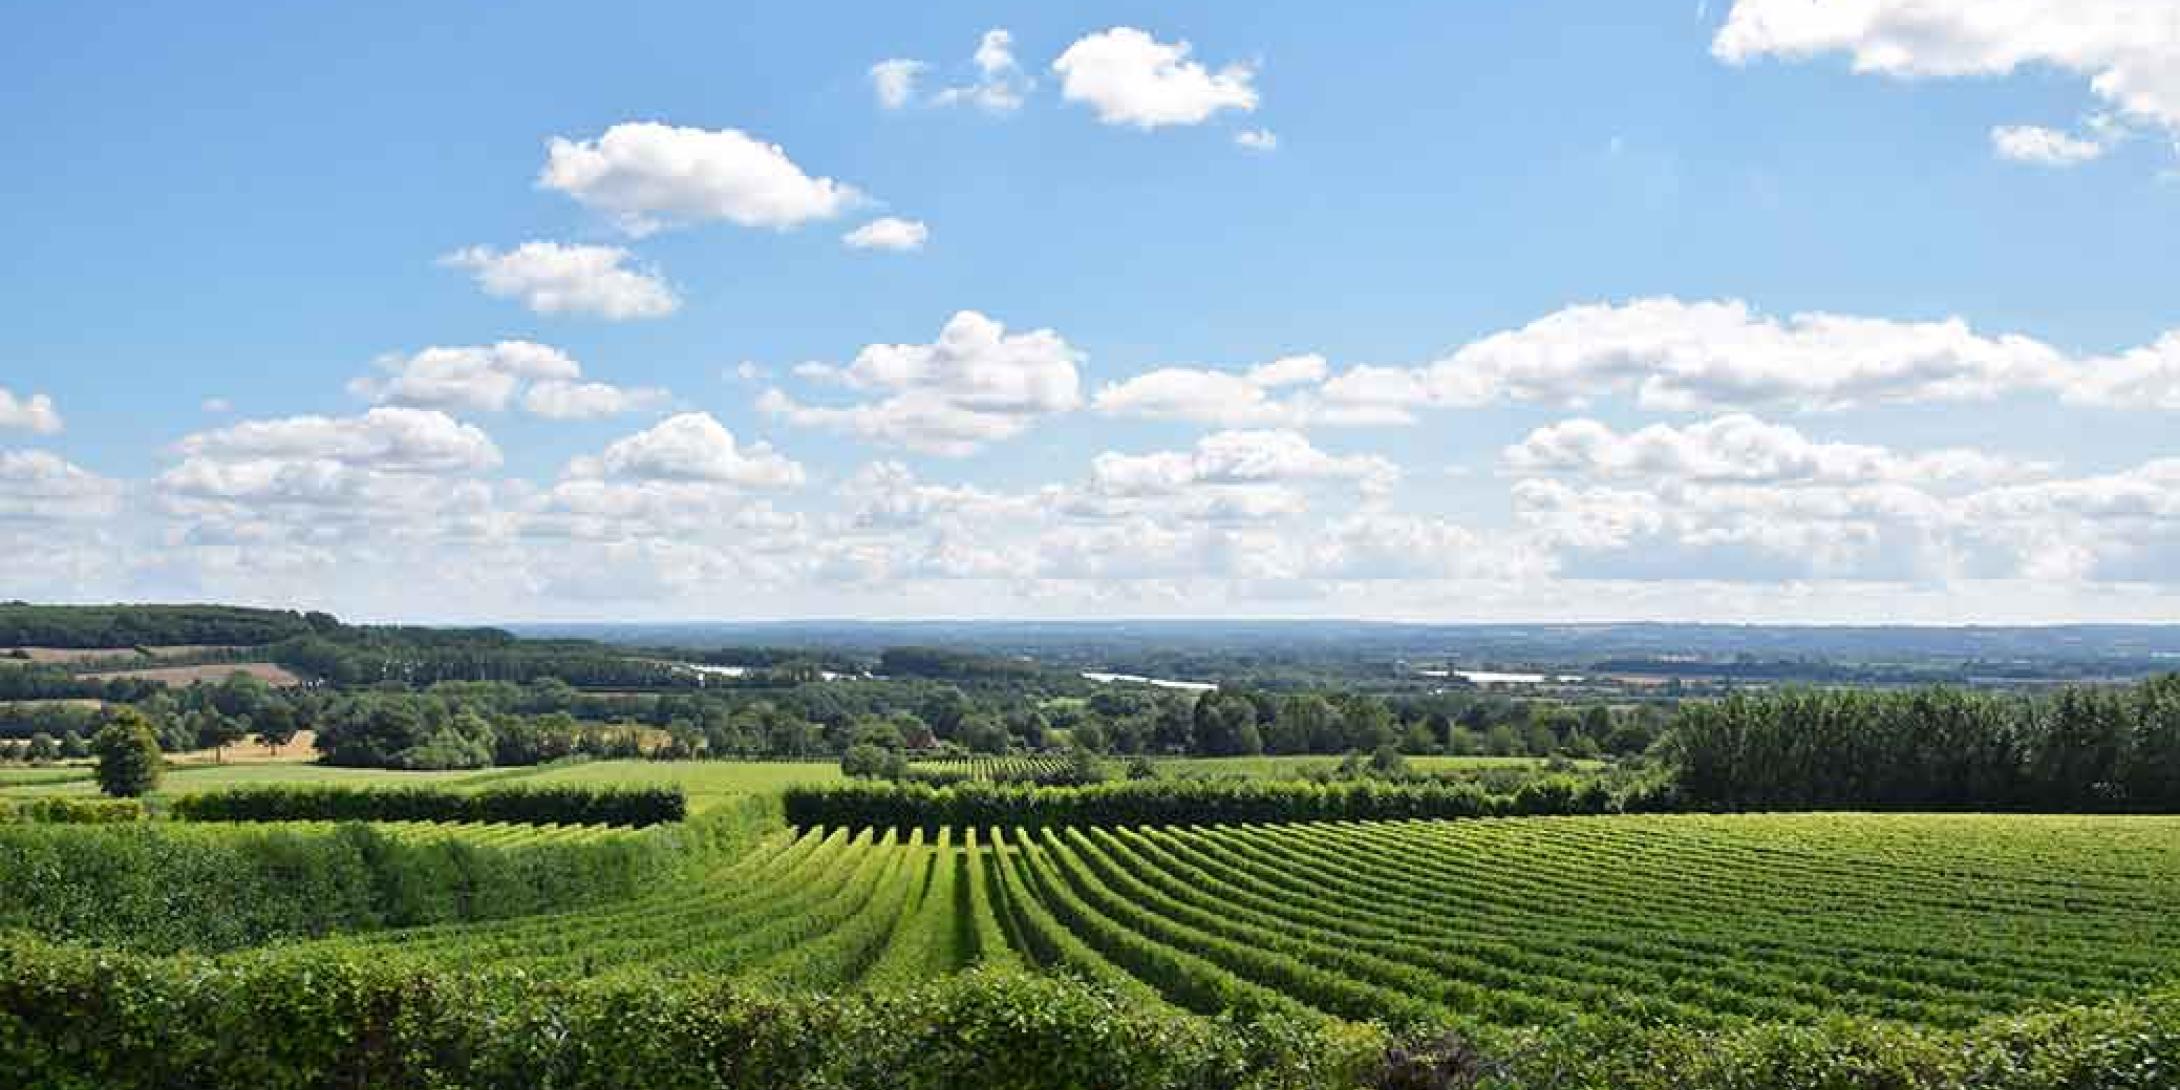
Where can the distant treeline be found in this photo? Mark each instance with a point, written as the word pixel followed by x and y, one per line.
pixel 2075 749
pixel 25 625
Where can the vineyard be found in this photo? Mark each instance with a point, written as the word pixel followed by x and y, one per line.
pixel 1692 920
pixel 1032 768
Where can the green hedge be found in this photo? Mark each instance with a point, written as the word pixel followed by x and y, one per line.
pixel 163 887
pixel 865 804
pixel 637 806
pixel 71 1019
pixel 62 810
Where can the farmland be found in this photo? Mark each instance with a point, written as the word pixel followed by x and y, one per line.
pixel 1697 920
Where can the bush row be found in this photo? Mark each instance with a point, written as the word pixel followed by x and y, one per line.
pixel 163 887
pixel 571 805
pixel 288 1021
pixel 866 804
pixel 61 810
pixel 271 1022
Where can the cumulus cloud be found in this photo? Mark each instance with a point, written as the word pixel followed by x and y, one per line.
pixel 2127 51
pixel 34 414
pixel 1740 447
pixel 974 385
pixel 559 278
pixel 388 437
pixel 2139 378
pixel 1257 139
pixel 307 477
pixel 888 233
pixel 1678 356
pixel 38 486
pixel 1133 79
pixel 1237 458
pixel 561 400
pixel 692 447
pixel 2044 147
pixel 647 176
pixel 486 378
pixel 1234 399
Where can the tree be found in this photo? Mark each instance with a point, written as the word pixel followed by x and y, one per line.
pixel 43 748
pixel 1226 724
pixel 275 725
pixel 74 747
pixel 128 756
pixel 219 731
pixel 864 761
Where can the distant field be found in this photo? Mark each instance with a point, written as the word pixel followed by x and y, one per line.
pixel 271 673
pixel 188 779
pixel 64 655
pixel 707 783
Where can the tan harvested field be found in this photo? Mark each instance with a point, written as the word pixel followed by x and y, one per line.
pixel 65 655
pixel 59 701
pixel 248 752
pixel 213 673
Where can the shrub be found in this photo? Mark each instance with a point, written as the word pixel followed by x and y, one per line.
pixel 61 810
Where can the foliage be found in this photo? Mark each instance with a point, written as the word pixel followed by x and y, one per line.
pixel 868 804
pixel 160 887
pixel 149 625
pixel 129 764
pixel 2078 749
pixel 61 810
pixel 529 805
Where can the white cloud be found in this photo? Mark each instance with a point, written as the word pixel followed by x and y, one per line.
pixel 38 486
pixel 1131 78
pixel 1000 84
pixel 2043 147
pixel 691 447
pixel 999 87
pixel 562 400
pixel 2139 378
pixel 486 378
pixel 34 413
pixel 1257 139
pixel 888 233
pixel 216 405
pixel 388 437
pixel 2127 50
pixel 647 176
pixel 1234 399
pixel 1236 458
pixel 480 378
pixel 894 81
pixel 1678 356
pixel 1739 447
pixel 559 278
pixel 975 384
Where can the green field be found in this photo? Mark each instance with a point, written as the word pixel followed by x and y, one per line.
pixel 1697 920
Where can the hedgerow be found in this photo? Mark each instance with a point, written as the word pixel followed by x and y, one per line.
pixel 553 805
pixel 164 887
pixel 877 804
pixel 74 1018
pixel 62 810
pixel 71 1018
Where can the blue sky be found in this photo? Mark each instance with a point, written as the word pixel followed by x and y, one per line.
pixel 1755 310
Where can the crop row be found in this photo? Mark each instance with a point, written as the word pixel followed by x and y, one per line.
pixel 1695 920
